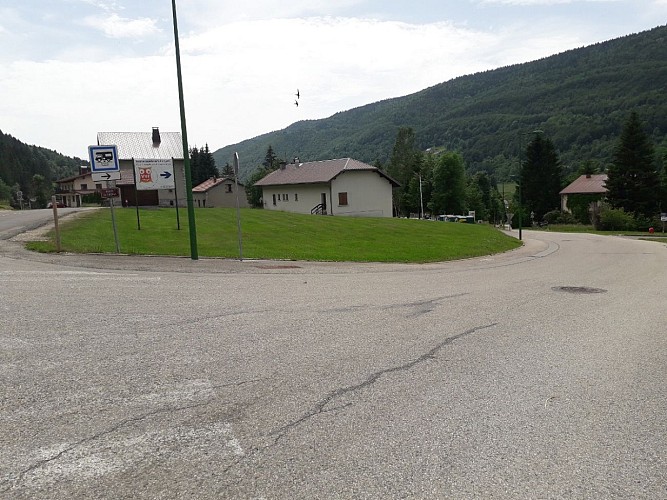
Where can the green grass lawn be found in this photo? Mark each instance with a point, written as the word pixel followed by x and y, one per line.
pixel 278 235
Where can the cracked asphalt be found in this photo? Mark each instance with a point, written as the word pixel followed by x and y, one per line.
pixel 128 377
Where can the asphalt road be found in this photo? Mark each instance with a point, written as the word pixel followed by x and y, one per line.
pixel 538 373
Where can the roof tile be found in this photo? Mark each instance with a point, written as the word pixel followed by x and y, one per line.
pixel 316 172
pixel 140 144
pixel 594 184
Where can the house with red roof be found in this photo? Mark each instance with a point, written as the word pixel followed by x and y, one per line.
pixel 342 186
pixel 588 184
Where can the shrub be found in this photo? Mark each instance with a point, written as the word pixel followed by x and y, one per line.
pixel 615 219
pixel 558 217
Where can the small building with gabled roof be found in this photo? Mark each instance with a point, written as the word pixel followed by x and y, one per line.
pixel 588 184
pixel 143 146
pixel 219 192
pixel 342 186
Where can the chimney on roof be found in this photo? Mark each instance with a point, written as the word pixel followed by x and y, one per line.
pixel 295 160
pixel 84 169
pixel 588 176
pixel 283 165
pixel 156 137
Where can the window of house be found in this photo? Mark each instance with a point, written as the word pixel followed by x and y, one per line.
pixel 285 197
pixel 84 187
pixel 296 196
pixel 342 199
pixel 274 200
pixel 228 188
pixel 98 186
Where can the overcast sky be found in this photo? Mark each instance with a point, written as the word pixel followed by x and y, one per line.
pixel 71 68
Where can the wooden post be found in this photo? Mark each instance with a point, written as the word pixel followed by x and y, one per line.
pixel 54 204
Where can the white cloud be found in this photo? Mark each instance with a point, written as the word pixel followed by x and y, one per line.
pixel 230 11
pixel 542 2
pixel 115 26
pixel 240 79
pixel 241 70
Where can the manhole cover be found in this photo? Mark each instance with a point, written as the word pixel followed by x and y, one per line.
pixel 578 289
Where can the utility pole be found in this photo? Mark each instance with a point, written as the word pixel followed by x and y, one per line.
pixel 186 150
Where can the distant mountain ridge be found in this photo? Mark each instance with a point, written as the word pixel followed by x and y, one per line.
pixel 579 98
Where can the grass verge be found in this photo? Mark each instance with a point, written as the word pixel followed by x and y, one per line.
pixel 278 235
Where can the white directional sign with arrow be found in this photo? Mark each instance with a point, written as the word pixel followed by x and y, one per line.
pixel 154 173
pixel 104 165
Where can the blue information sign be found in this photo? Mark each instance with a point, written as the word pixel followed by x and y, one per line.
pixel 103 159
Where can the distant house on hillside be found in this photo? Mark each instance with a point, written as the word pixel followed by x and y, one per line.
pixel 589 184
pixel 219 193
pixel 330 187
pixel 143 146
pixel 71 190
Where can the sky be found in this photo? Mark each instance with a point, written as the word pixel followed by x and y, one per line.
pixel 71 68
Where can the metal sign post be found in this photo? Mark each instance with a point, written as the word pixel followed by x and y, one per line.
pixel 104 166
pixel 238 209
pixel 113 222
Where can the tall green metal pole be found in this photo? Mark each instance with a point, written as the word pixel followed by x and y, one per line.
pixel 186 150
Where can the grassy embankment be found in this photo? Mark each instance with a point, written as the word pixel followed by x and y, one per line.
pixel 278 235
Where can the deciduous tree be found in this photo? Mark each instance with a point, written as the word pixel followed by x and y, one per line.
pixel 449 185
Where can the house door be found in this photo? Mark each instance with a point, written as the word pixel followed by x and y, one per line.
pixel 324 201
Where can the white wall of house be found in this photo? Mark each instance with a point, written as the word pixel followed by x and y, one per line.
pixel 298 198
pixel 352 193
pixel 361 194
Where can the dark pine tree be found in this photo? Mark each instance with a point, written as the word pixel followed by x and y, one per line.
pixel 207 164
pixel 541 179
pixel 227 171
pixel 195 166
pixel 633 183
pixel 270 162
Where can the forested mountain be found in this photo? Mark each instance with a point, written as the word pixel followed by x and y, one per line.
pixel 19 162
pixel 579 98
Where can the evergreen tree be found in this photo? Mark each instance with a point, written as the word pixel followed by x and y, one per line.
pixel 5 191
pixel 42 190
pixel 195 166
pixel 254 193
pixel 541 179
pixel 633 182
pixel 478 196
pixel 449 185
pixel 227 171
pixel 270 162
pixel 207 168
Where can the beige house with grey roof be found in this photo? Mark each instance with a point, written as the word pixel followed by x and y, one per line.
pixel 330 187
pixel 590 184
pixel 144 146
pixel 219 192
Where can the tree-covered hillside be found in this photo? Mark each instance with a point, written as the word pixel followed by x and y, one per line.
pixel 579 98
pixel 19 162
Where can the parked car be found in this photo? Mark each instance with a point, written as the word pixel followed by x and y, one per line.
pixel 59 204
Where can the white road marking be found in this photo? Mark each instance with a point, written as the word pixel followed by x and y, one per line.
pixel 107 454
